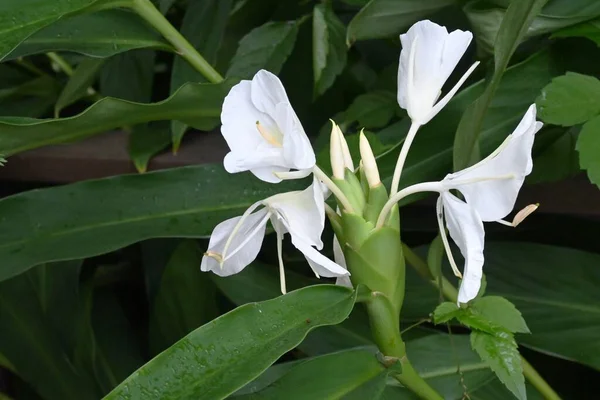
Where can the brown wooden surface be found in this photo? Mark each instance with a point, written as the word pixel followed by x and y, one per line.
pixel 106 155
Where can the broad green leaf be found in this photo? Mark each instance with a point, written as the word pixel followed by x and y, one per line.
pixel 430 156
pixel 350 374
pixel 501 354
pixel 259 282
pixel 181 202
pixel 79 84
pixel 4 363
pixel 486 17
pixel 266 47
pixel 37 314
pixel 30 98
pixel 445 312
pixel 198 105
pixel 203 26
pixel 220 357
pixel 129 76
pixel 19 19
pixel 588 147
pixel 100 34
pixel 500 311
pixel 185 299
pixel 514 25
pixel 570 99
pixel 165 5
pixel 147 140
pixel 329 50
pixel 590 30
pixel 373 109
pixel 385 18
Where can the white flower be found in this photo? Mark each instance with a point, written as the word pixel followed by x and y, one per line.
pixel 262 130
pixel 490 188
pixel 235 243
pixel 428 57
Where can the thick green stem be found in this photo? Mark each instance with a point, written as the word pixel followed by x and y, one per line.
pixel 148 11
pixel 450 293
pixel 385 326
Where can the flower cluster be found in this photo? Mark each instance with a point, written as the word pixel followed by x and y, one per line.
pixel 267 138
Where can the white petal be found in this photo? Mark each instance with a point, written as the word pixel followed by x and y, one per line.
pixel 263 162
pixel 301 212
pixel 320 264
pixel 238 119
pixel 249 236
pixel 338 257
pixel 466 229
pixel 494 199
pixel 436 54
pixel 267 92
pixel 297 150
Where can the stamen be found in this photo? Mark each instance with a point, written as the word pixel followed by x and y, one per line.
pixel 215 255
pixel 237 226
pixel 273 138
pixel 520 216
pixel 453 184
pixel 442 228
pixel 280 258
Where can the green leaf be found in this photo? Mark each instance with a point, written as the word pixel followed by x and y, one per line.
pixel 430 156
pixel 558 303
pixel 99 34
pixel 38 313
pixel 588 146
pixel 185 299
pixel 79 84
pixel 266 47
pixel 557 161
pixel 198 105
pixel 19 19
pixel 147 140
pixel 385 18
pixel 351 374
pixel 203 26
pixel 259 282
pixel 329 50
pixel 4 363
pixel 129 76
pixel 590 30
pixel 181 202
pixel 500 311
pixel 486 18
pixel 215 360
pixel 30 98
pixel 570 99
pixel 512 29
pixel 373 109
pixel 500 352
pixel 445 312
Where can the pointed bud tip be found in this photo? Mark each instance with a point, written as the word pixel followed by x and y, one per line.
pixel 368 161
pixel 335 152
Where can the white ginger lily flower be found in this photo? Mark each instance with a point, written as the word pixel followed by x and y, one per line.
pixel 263 132
pixel 235 243
pixel 490 188
pixel 428 57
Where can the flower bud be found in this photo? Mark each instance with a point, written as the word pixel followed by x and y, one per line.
pixel 345 150
pixel 368 162
pixel 336 153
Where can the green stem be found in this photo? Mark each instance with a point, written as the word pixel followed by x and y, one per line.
pixel 385 326
pixel 148 11
pixel 61 62
pixel 451 293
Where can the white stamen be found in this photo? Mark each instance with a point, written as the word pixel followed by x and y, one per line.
pixel 442 228
pixel 274 138
pixel 520 216
pixel 236 228
pixel 280 258
pixel 247 239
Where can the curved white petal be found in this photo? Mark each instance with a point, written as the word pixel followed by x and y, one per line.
pixel 302 213
pixel 435 54
pixel 267 91
pixel 321 265
pixel 338 257
pixel 242 250
pixel 297 150
pixel 264 162
pixel 466 229
pixel 493 198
